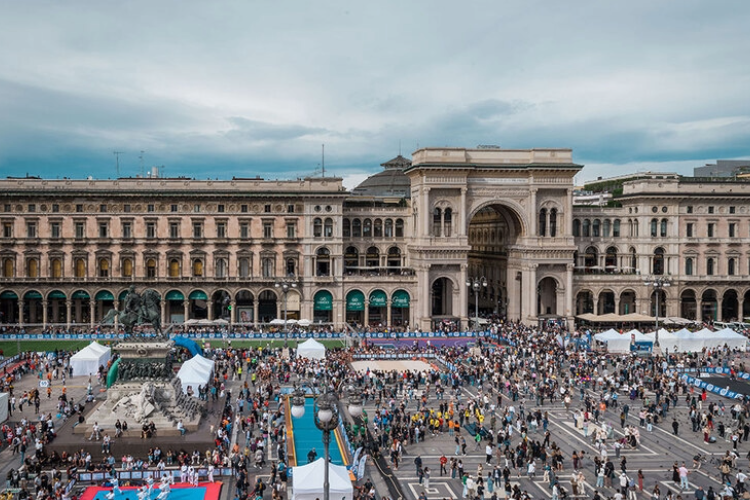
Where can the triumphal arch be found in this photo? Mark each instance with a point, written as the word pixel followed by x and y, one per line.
pixel 492 231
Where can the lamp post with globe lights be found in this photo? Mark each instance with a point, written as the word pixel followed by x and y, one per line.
pixel 285 286
pixel 476 284
pixel 659 284
pixel 327 418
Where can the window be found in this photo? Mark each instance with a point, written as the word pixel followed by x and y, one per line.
pixel 221 268
pixel 267 229
pixel 127 268
pixel 267 209
pixel 710 266
pixel 151 268
pixel 710 210
pixel 447 222
pixel 663 228
pixel 55 208
pixel 103 208
pixel 244 230
pixel 126 208
pixel 323 262
pixel 710 230
pixel 244 267
pixel 689 230
pixel 80 230
pixel 32 268
pixel 356 228
pixel 174 230
pixel 437 217
pixel 596 228
pixel 56 267
pixel 689 266
pixel 221 229
pixel 174 268
pixel 243 209
pixel 197 268
pixel 732 210
pixel 543 222
pixel 103 268
pixel 151 230
pixel 586 228
pixel 291 267
pixel 654 227
pixel 388 230
pixel 80 268
pixel 32 207
pixel 31 229
pixel 103 230
pixel 317 227
pixel 616 228
pixel 8 266
pixel 79 208
pixel 732 229
pixel 197 230
pixel 54 230
pixel 576 228
pixel 290 209
pixel 267 267
pixel 127 230
pixel 151 207
pixel 291 230
pixel 197 208
pixel 732 267
pixel 689 209
pixel 553 223
pixel 173 208
pixel 658 263
pixel 7 229
pixel 346 229
pixel 328 228
pixel 367 229
pixel 7 207
pixel 220 208
pixel 399 228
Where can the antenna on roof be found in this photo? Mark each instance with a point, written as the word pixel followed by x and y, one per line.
pixel 323 160
pixel 117 161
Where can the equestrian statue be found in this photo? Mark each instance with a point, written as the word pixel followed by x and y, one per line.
pixel 137 309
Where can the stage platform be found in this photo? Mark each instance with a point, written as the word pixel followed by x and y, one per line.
pixel 180 491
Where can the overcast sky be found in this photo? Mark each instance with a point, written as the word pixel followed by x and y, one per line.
pixel 222 89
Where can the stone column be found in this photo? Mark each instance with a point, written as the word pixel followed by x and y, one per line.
pixel 719 301
pixel 533 213
pixel 163 313
pixel 463 312
pixel 68 312
pixel 233 305
pixel 426 211
pixel 210 309
pixel 186 309
pixel 20 312
pixel 515 286
pixel 529 307
pixel 388 313
pixel 617 304
pixel 568 213
pixel 44 314
pixel 698 309
pixel 569 297
pixel 367 313
pixel 463 213
pixel 92 311
pixel 117 308
pixel 596 304
pixel 255 313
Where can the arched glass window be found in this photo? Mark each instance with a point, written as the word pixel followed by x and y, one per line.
pixel 351 260
pixel 616 228
pixel 268 266
pixel 658 267
pixel 689 266
pixel 104 268
pixel 378 228
pixel 372 258
pixel 636 230
pixel 606 227
pixel 356 228
pixel 394 259
pixel 367 228
pixel 388 232
pixel 586 228
pixel 32 268
pixel 328 228
pixel 244 264
pixel 591 258
pixel 543 222
pixel 710 266
pixel 346 228
pixel 151 268
pixel 732 267
pixel 127 268
pixel 654 228
pixel 437 217
pixel 80 268
pixel 576 228
pixel 399 228
pixel 663 228
pixel 323 261
pixel 633 259
pixel 174 268
pixel 197 268
pixel 221 268
pixel 447 222
pixel 596 228
pixel 553 222
pixel 317 227
pixel 56 266
pixel 8 268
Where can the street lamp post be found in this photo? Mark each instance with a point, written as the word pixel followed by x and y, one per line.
pixel 326 419
pixel 285 286
pixel 476 284
pixel 659 284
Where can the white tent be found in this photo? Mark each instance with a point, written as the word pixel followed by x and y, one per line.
pixel 195 372
pixel 88 360
pixel 307 481
pixel 3 406
pixel 726 336
pixel 311 349
pixel 620 342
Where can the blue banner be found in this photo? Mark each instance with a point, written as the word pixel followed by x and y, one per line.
pixel 725 392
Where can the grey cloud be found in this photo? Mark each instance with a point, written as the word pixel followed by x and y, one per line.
pixel 245 129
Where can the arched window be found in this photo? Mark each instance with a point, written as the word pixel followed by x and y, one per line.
pixel 151 268
pixel 80 268
pixel 636 230
pixel 732 266
pixel 356 228
pixel 586 228
pixel 56 266
pixel 633 259
pixel 543 222
pixel 372 258
pixel 346 228
pixel 328 228
pixel 32 268
pixel 591 258
pixel 658 267
pixel 317 227
pixel 606 227
pixel 8 268
pixel 221 268
pixel 388 232
pixel 437 217
pixel 596 228
pixel 127 268
pixel 244 265
pixel 553 222
pixel 610 259
pixel 576 228
pixel 689 266
pixel 174 268
pixel 367 228
pixel 351 260
pixel 394 259
pixel 399 228
pixel 710 266
pixel 654 227
pixel 268 266
pixel 197 268
pixel 378 228
pixel 447 222
pixel 104 268
pixel 663 228
pixel 323 261
pixel 616 228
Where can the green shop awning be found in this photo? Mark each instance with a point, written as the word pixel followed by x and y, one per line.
pixel 7 294
pixel 400 299
pixel 80 294
pixel 56 294
pixel 378 298
pixel 323 301
pixel 175 295
pixel 32 295
pixel 198 295
pixel 104 295
pixel 355 301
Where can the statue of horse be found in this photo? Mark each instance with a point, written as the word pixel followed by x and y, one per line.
pixel 137 310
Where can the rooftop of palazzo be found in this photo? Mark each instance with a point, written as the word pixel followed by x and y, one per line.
pixel 494 156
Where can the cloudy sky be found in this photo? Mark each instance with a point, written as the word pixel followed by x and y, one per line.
pixel 249 88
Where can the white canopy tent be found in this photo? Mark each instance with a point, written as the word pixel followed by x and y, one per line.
pixel 195 372
pixel 311 349
pixel 307 481
pixel 726 336
pixel 88 360
pixel 620 342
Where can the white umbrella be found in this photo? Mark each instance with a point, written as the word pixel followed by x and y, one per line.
pixel 291 322
pixel 276 322
pixel 304 322
pixel 221 322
